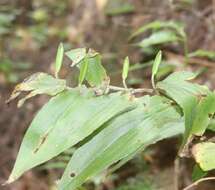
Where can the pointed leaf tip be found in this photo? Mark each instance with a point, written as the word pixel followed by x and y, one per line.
pixel 155 66
pixel 125 71
pixel 59 59
pixel 125 68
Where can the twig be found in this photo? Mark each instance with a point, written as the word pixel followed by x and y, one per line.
pixel 199 181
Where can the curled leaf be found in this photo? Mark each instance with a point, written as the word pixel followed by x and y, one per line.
pixel 38 83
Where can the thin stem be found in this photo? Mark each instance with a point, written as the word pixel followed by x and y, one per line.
pixel 176 173
pixel 116 88
pixel 141 90
pixel 153 82
pixel 124 84
pixel 199 181
pixel 138 90
pixel 132 90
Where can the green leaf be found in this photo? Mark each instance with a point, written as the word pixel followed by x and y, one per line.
pixel 117 7
pixel 157 25
pixel 204 109
pixel 125 71
pixel 211 126
pixel 197 103
pixel 76 55
pixel 203 53
pixel 121 137
pixel 198 173
pixel 159 38
pixel 83 70
pixel 204 154
pixel 155 67
pixel 64 121
pixel 186 95
pixel 96 73
pixel 38 83
pixel 125 68
pixel 59 59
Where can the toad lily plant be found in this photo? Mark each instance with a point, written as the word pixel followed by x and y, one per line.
pixel 112 123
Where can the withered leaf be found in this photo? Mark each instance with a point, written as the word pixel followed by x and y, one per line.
pixel 38 83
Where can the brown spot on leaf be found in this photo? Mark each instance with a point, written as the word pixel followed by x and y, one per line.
pixel 72 174
pixel 42 140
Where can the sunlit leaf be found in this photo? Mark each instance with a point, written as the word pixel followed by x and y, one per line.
pixel 38 83
pixel 158 38
pixel 121 137
pixel 59 59
pixel 64 121
pixel 204 154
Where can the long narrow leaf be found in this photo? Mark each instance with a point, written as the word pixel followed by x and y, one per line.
pixel 59 59
pixel 63 122
pixel 121 138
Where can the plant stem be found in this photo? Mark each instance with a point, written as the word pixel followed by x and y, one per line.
pixel 138 90
pixel 176 173
pixel 199 181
